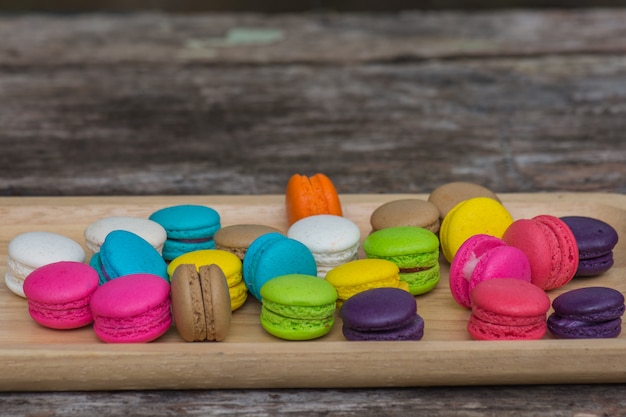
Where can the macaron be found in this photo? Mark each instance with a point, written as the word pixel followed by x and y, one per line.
pixel 307 196
pixel 31 250
pixel 508 309
pixel 550 247
pixel 59 294
pixel 188 227
pixel 448 195
pixel 201 303
pixel 363 274
pixel 406 212
pixel 587 313
pixel 228 262
pixel 478 215
pixel 381 314
pixel 151 231
pixel 595 240
pixel 483 257
pixel 298 307
pixel 124 253
pixel 413 249
pixel 333 240
pixel 274 254
pixel 134 308
pixel 236 238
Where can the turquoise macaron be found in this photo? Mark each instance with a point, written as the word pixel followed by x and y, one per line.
pixel 124 253
pixel 272 255
pixel 188 227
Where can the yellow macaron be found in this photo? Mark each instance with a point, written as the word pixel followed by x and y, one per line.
pixel 479 215
pixel 363 274
pixel 228 262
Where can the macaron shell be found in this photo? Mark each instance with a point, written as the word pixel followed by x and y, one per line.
pixel 501 262
pixel 217 305
pixel 567 264
pixel 406 212
pixel 592 304
pixel 575 329
pixel 479 215
pixel 448 195
pixel 363 274
pixel 379 309
pixel 414 330
pixel 237 238
pixel 187 304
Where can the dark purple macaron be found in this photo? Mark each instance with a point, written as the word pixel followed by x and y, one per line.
pixel 592 312
pixel 596 240
pixel 383 314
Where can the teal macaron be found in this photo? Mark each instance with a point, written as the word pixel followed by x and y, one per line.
pixel 413 249
pixel 298 307
pixel 274 254
pixel 124 253
pixel 188 227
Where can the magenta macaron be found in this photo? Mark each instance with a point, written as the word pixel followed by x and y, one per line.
pixel 483 257
pixel 133 308
pixel 59 294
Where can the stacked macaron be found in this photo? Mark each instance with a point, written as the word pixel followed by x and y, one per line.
pixel 595 240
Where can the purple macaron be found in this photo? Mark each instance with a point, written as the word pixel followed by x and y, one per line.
pixel 584 313
pixel 596 240
pixel 381 314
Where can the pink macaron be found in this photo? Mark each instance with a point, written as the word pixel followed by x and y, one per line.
pixel 59 294
pixel 483 257
pixel 132 308
pixel 550 246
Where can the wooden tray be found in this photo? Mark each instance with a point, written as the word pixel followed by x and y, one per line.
pixel 39 359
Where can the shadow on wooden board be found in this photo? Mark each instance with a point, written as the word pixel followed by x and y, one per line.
pixel 278 6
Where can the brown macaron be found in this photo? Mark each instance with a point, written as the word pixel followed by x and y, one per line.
pixel 406 212
pixel 237 237
pixel 446 196
pixel 201 303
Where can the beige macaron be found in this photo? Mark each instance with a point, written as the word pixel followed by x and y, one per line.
pixel 237 237
pixel 406 212
pixel 446 196
pixel 201 303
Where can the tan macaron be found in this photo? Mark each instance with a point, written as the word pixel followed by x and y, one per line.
pixel 237 237
pixel 406 212
pixel 446 196
pixel 201 303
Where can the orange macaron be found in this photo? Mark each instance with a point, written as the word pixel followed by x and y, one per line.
pixel 307 196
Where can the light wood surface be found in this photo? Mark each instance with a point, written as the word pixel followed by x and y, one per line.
pixel 44 359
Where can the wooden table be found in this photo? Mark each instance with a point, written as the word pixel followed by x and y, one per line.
pixel 148 103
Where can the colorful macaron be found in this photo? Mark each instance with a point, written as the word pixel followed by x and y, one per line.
pixel 124 253
pixel 448 195
pixel 228 262
pixel 59 294
pixel 236 238
pixel 363 274
pixel 587 313
pixel 188 227
pixel 550 247
pixel 298 307
pixel 133 308
pixel 478 215
pixel 483 257
pixel 382 314
pixel 406 212
pixel 596 240
pixel 413 249
pixel 333 240
pixel 508 309
pixel 31 250
pixel 308 196
pixel 151 231
pixel 274 254
pixel 201 303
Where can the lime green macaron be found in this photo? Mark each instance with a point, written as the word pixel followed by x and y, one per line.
pixel 298 307
pixel 413 249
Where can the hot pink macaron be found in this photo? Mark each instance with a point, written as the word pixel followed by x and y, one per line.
pixel 132 308
pixel 59 294
pixel 483 257
pixel 550 246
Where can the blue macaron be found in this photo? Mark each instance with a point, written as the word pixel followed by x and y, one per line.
pixel 272 255
pixel 188 228
pixel 124 253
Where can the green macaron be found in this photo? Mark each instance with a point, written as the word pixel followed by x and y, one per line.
pixel 413 249
pixel 298 307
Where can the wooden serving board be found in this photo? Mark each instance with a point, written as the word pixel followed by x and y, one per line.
pixel 38 359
